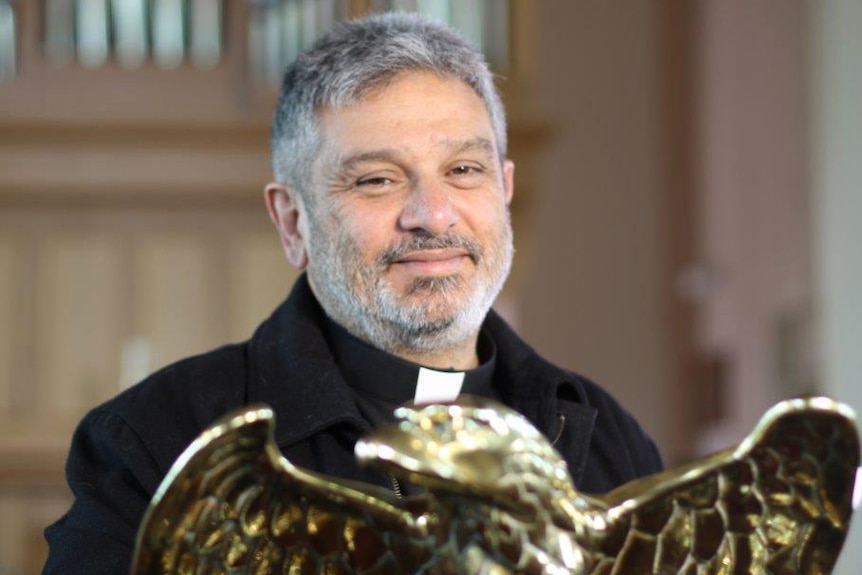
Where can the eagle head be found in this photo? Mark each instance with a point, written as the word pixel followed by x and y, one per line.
pixel 491 467
pixel 472 445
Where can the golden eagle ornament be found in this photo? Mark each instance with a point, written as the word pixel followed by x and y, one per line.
pixel 499 501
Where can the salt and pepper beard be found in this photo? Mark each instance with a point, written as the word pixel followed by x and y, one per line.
pixel 358 296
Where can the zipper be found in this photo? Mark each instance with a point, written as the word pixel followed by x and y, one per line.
pixel 396 486
pixel 562 419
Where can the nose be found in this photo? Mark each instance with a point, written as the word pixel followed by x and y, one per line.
pixel 429 208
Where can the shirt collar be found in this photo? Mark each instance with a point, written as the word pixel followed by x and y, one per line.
pixel 292 369
pixel 374 372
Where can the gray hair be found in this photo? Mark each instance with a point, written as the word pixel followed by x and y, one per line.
pixel 357 57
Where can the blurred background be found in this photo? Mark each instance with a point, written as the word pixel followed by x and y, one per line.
pixel 686 209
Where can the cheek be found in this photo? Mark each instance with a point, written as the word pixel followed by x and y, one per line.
pixel 487 218
pixel 368 244
pixel 361 238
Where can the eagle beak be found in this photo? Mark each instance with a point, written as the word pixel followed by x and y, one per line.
pixel 399 451
pixel 427 461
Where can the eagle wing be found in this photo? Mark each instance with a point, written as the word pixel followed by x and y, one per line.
pixel 233 504
pixel 779 503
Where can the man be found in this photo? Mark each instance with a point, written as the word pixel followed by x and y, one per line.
pixel 392 193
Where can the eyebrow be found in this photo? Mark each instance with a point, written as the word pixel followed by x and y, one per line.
pixel 473 145
pixel 392 154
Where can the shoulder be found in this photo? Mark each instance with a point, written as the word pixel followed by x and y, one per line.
pixel 122 449
pixel 603 443
pixel 171 407
pixel 620 449
pixel 610 412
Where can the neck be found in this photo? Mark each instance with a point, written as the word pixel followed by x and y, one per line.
pixel 461 358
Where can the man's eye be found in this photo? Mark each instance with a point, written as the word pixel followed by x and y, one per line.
pixel 373 182
pixel 465 169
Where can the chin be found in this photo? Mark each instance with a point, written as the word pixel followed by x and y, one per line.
pixel 430 286
pixel 450 321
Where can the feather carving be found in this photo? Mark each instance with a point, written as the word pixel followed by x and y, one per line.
pixel 499 501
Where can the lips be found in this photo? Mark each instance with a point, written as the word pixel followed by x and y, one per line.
pixel 434 261
pixel 433 255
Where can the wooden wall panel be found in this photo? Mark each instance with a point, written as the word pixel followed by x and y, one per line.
pixel 260 278
pixel 8 275
pixel 177 296
pixel 24 513
pixel 78 322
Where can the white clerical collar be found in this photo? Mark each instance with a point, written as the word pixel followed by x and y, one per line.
pixel 383 375
pixel 434 386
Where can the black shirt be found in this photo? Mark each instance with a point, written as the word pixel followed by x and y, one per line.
pixel 381 381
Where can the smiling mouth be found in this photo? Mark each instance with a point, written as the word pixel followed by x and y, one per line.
pixel 433 255
pixel 434 262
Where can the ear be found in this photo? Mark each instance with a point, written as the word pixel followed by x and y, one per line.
pixel 285 210
pixel 509 180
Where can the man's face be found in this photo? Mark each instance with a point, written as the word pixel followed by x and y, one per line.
pixel 407 233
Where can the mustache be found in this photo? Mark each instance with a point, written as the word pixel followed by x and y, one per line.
pixel 418 243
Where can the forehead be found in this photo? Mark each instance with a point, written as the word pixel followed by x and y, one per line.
pixel 411 106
